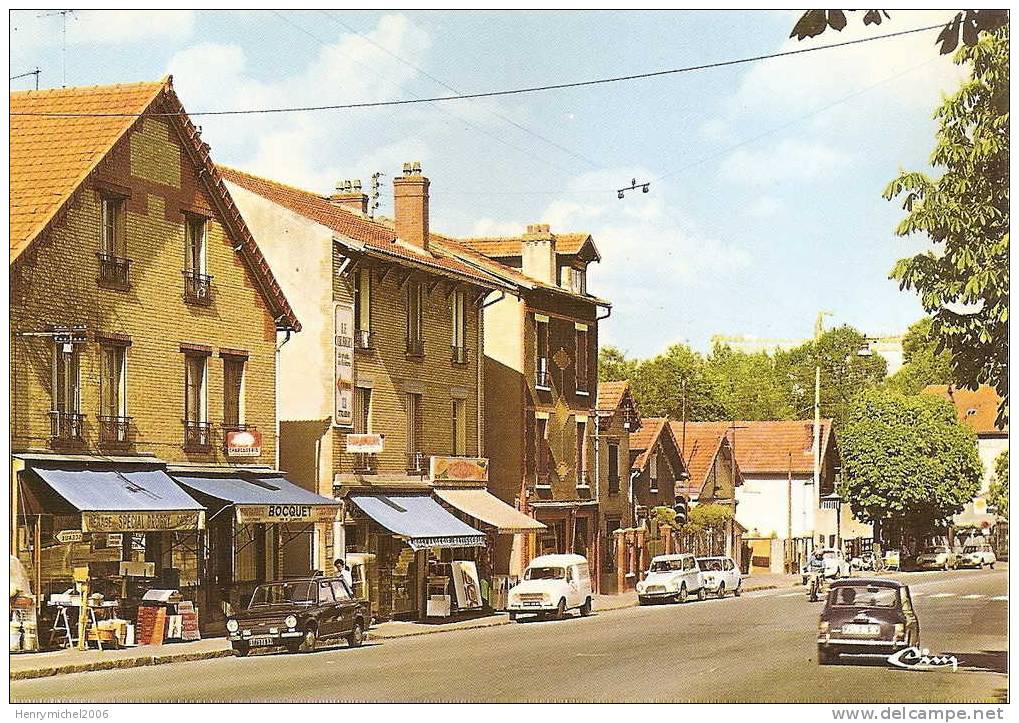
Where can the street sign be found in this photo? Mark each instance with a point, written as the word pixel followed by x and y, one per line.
pixel 68 536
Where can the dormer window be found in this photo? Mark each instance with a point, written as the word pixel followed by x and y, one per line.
pixel 574 279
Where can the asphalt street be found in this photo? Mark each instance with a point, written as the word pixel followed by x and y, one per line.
pixel 760 647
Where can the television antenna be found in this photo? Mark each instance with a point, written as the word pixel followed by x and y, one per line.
pixel 376 184
pixel 35 72
pixel 63 44
pixel 644 187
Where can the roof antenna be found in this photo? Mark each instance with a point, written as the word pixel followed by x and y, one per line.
pixel 35 72
pixel 63 52
pixel 376 183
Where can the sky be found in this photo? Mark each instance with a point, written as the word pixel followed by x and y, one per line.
pixel 765 178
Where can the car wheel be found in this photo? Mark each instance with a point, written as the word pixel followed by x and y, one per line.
pixel 585 609
pixel 512 616
pixel 241 649
pixel 683 595
pixel 702 593
pixel 991 565
pixel 946 566
pixel 739 590
pixel 825 656
pixel 356 637
pixel 721 590
pixel 560 611
pixel 309 641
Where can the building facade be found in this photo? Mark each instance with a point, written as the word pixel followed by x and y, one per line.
pixel 657 469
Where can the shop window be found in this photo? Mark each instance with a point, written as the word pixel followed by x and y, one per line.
pixel 196 411
pixel 66 420
pixel 543 379
pixel 197 282
pixel 613 465
pixel 459 446
pixel 233 392
pixel 114 423
pixel 460 354
pixel 415 319
pixel 363 309
pixel 113 262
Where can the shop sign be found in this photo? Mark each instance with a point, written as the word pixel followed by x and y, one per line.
pixel 365 443
pixel 343 373
pixel 243 443
pixel 286 513
pixel 142 521
pixel 69 536
pixel 459 469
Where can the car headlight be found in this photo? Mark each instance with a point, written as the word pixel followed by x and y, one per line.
pixel 900 631
pixel 231 625
pixel 290 621
pixel 822 627
pixel 640 587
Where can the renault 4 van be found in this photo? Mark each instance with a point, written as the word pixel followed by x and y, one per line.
pixel 552 585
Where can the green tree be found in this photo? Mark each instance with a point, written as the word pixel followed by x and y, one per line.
pixel 908 465
pixel 614 365
pixel 747 386
pixel 923 363
pixel 963 281
pixel 708 516
pixel 664 384
pixel 997 495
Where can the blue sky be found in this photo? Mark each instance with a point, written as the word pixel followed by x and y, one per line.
pixel 765 203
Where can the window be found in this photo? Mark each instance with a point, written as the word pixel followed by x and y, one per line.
pixel 325 594
pixel 542 377
pixel 340 591
pixel 653 469
pixel 460 327
pixel 613 467
pixel 65 415
pixel 581 457
pixel 541 446
pixel 575 280
pixel 113 419
pixel 415 459
pixel 362 309
pixel 113 264
pixel 233 391
pixel 364 462
pixel 582 358
pixel 196 411
pixel 196 281
pixel 415 307
pixel 459 428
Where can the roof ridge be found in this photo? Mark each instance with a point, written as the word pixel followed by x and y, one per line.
pixel 164 81
pixel 273 181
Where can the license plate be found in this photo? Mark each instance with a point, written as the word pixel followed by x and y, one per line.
pixel 861 629
pixel 532 604
pixel 262 640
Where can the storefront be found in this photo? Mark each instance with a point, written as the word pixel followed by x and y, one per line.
pixel 255 519
pixel 571 527
pixel 108 533
pixel 426 559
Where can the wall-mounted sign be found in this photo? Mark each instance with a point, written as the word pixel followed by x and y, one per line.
pixel 142 521
pixel 243 443
pixel 286 513
pixel 343 377
pixel 459 469
pixel 365 443
pixel 68 536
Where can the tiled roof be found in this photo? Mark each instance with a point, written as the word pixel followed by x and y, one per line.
pixel 503 246
pixel 700 445
pixel 53 154
pixel 367 231
pixel 610 394
pixel 643 440
pixel 768 447
pixel 978 409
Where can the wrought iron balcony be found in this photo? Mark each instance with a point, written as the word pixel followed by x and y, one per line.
pixel 113 271
pixel 542 379
pixel 197 436
pixel 114 431
pixel 364 340
pixel 415 348
pixel 417 463
pixel 197 288
pixel 461 355
pixel 67 428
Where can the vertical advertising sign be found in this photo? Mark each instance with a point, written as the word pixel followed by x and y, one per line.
pixel 343 390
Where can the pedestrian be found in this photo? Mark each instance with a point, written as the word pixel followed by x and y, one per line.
pixel 343 572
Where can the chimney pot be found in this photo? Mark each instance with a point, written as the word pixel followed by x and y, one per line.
pixel 348 196
pixel 410 196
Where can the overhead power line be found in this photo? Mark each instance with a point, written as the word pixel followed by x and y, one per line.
pixel 512 91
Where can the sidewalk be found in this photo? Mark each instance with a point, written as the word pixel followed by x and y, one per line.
pixel 60 662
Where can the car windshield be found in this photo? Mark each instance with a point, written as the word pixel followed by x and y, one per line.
pixel 863 596
pixel 284 593
pixel 935 550
pixel 974 548
pixel 666 565
pixel 709 564
pixel 544 573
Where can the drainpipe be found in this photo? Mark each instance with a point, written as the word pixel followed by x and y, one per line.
pixel 480 362
pixel 276 387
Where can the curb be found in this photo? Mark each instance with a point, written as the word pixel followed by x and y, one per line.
pixel 140 662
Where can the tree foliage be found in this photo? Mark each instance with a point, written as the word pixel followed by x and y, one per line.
pixel 747 386
pixel 923 363
pixel 963 281
pixel 997 495
pixel 708 516
pixel 907 462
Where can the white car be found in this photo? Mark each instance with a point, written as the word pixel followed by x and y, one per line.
pixel 829 561
pixel 977 555
pixel 937 557
pixel 720 575
pixel 671 577
pixel 552 585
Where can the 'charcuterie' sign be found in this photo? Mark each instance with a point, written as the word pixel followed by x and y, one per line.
pixel 142 521
pixel 284 512
pixel 243 443
pixel 366 443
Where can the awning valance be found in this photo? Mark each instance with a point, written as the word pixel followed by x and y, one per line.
pixel 263 498
pixel 489 509
pixel 124 501
pixel 419 519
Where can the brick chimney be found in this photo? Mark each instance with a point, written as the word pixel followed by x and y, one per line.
pixel 410 195
pixel 349 195
pixel 538 259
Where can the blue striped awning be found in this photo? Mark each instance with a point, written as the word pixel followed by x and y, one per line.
pixel 419 519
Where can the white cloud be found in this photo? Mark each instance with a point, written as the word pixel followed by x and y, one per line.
pixel 38 28
pixel 788 160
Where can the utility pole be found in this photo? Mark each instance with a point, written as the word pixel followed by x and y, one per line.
pixel 818 331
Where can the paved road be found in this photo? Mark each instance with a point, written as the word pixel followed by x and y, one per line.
pixel 760 647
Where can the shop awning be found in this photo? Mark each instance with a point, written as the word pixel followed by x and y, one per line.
pixel 263 499
pixel 123 501
pixel 419 519
pixel 486 507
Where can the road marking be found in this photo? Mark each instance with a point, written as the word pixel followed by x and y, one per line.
pixel 1001 597
pixel 941 594
pixel 972 597
pixel 791 594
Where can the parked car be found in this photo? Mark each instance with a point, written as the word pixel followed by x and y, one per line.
pixel 977 555
pixel 866 561
pixel 298 613
pixel 937 557
pixel 671 578
pixel 720 575
pixel 552 585
pixel 866 617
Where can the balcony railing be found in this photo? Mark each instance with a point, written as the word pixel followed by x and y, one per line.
pixel 417 463
pixel 461 355
pixel 415 348
pixel 583 481
pixel 67 428
pixel 114 431
pixel 363 340
pixel 113 271
pixel 542 379
pixel 197 436
pixel 365 463
pixel 197 288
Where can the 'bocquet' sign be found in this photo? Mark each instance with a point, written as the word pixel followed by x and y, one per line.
pixel 286 513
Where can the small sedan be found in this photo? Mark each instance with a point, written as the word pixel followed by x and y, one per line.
pixel 720 575
pixel 977 556
pixel 870 617
pixel 937 557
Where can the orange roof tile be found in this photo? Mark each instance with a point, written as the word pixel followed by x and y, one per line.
pixel 643 440
pixel 503 246
pixel 700 448
pixel 768 447
pixel 610 394
pixel 53 154
pixel 977 409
